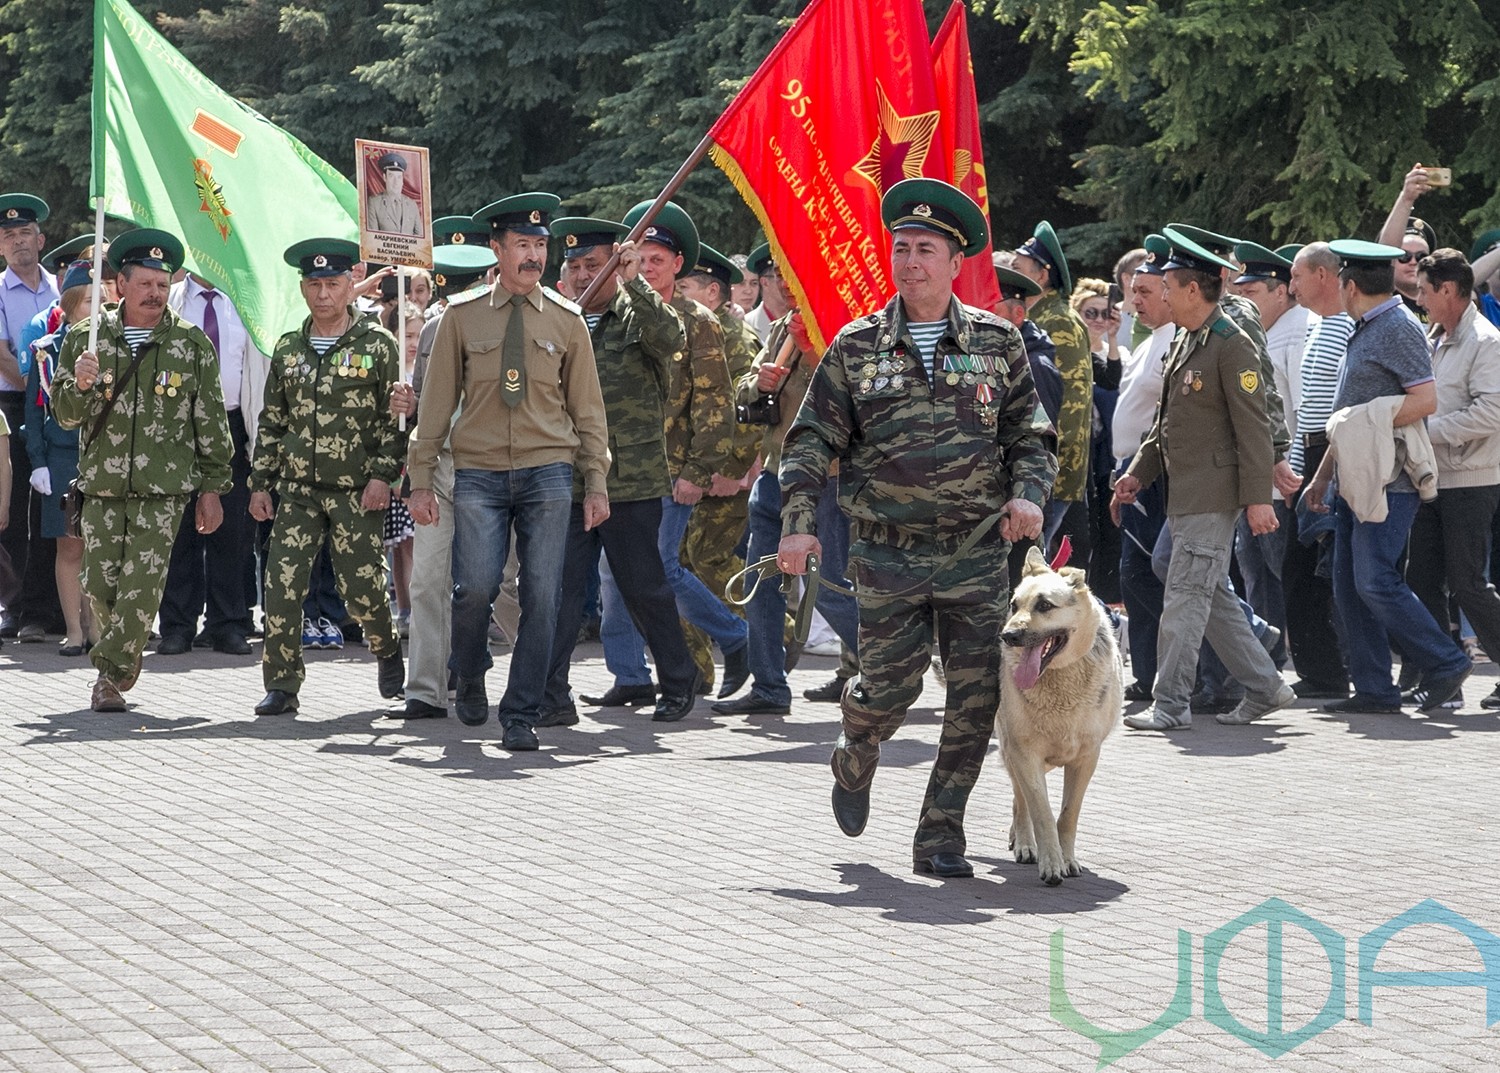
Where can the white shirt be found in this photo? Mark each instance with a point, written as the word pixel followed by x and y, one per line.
pixel 1286 341
pixel 1140 392
pixel 233 338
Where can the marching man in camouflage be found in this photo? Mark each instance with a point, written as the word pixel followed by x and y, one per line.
pixel 929 407
pixel 330 448
pixel 165 438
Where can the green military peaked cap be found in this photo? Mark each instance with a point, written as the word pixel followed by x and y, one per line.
pixel 1014 286
pixel 935 206
pixel 525 214
pixel 1187 253
pixel 1485 243
pixel 759 259
pixel 1260 263
pixel 460 231
pixel 17 210
pixel 1212 241
pixel 455 267
pixel 672 228
pixel 146 246
pixel 580 234
pixel 713 263
pixel 1044 248
pixel 58 258
pixel 1290 250
pixel 1158 249
pixel 1356 250
pixel 316 258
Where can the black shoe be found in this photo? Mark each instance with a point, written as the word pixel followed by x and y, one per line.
pixel 392 676
pixel 944 865
pixel 174 645
pixel 750 705
pixel 829 692
pixel 1135 692
pixel 1358 705
pixel 1319 690
pixel 736 671
pixel 470 702
pixel 9 626
pixel 232 644
pixel 1492 701
pixel 277 702
pixel 518 737
pixel 851 809
pixel 417 709
pixel 203 639
pixel 1205 704
pixel 1435 693
pixel 623 697
pixel 671 708
pixel 564 715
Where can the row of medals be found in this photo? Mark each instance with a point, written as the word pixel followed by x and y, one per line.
pixel 347 364
pixel 168 383
pixel 966 369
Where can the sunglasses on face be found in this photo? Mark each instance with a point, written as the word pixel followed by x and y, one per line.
pixel 1096 314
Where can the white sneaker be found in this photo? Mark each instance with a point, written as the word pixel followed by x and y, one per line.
pixel 1252 708
pixel 1153 718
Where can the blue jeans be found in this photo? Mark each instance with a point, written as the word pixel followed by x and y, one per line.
pixel 1375 604
pixel 767 611
pixel 624 648
pixel 486 504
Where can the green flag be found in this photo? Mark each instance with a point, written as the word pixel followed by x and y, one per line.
pixel 172 150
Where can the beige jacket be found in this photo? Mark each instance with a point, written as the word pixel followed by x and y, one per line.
pixel 1371 453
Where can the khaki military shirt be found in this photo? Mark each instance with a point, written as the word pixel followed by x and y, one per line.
pixel 741 345
pixel 1075 417
pixel 167 434
pixel 562 416
pixel 1211 435
pixel 700 410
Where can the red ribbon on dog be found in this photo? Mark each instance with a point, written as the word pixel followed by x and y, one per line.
pixel 1064 553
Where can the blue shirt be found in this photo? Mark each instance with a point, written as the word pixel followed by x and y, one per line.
pixel 1387 354
pixel 18 304
pixel 1490 308
pixel 36 328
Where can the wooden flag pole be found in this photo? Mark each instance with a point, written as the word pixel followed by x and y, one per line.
pixel 673 185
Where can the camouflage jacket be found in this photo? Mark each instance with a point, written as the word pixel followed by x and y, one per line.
pixel 167 434
pixel 1247 318
pixel 635 344
pixel 793 389
pixel 741 346
pixel 1076 416
pixel 327 422
pixel 932 460
pixel 699 411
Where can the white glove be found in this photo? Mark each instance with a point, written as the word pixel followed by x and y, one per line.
pixel 41 480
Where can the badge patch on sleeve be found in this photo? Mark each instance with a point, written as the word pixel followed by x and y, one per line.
pixel 1249 381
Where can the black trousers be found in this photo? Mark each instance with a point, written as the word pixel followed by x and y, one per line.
pixel 1310 616
pixel 628 538
pixel 1448 555
pixel 209 571
pixel 28 582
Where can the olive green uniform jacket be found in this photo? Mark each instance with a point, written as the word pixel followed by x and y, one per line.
pixel 700 410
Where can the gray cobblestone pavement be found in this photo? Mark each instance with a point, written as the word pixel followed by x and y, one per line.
pixel 188 887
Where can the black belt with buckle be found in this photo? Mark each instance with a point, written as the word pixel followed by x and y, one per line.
pixel 1314 439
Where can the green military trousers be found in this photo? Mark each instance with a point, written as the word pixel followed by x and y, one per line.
pixel 966 603
pixel 304 517
pixel 709 550
pixel 127 543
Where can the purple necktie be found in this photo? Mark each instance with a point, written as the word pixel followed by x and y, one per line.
pixel 211 319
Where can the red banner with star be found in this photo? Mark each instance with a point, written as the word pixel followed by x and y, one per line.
pixel 959 147
pixel 841 110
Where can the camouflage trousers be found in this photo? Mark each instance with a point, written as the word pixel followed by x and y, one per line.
pixel 965 604
pixel 709 550
pixel 127 543
pixel 304 518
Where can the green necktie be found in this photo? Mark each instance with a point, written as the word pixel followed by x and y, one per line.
pixel 513 355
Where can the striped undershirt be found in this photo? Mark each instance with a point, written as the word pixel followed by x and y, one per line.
pixel 136 336
pixel 322 343
pixel 592 320
pixel 1322 358
pixel 926 335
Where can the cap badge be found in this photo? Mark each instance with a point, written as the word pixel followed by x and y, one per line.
pixel 440 279
pixel 457 238
pixel 11 214
pixel 156 253
pixel 570 241
pixel 921 210
pixel 536 216
pixel 650 232
pixel 320 261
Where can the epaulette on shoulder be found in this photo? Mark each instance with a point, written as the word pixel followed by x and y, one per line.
pixel 567 303
pixel 467 296
pixel 1225 327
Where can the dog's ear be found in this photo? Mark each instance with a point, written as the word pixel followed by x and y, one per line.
pixel 1036 563
pixel 1075 577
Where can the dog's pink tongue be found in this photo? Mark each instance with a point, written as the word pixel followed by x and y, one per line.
pixel 1030 667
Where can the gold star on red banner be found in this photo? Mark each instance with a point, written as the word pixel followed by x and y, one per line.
pixel 901 146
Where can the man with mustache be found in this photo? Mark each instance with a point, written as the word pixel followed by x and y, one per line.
pixel 519 360
pixel 163 438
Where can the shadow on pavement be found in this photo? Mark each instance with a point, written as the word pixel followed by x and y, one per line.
pixel 1008 888
pixel 1416 726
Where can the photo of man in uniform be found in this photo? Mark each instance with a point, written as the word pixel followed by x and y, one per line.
pixel 393 211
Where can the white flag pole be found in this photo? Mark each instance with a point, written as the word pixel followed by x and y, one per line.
pixel 401 301
pixel 96 284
